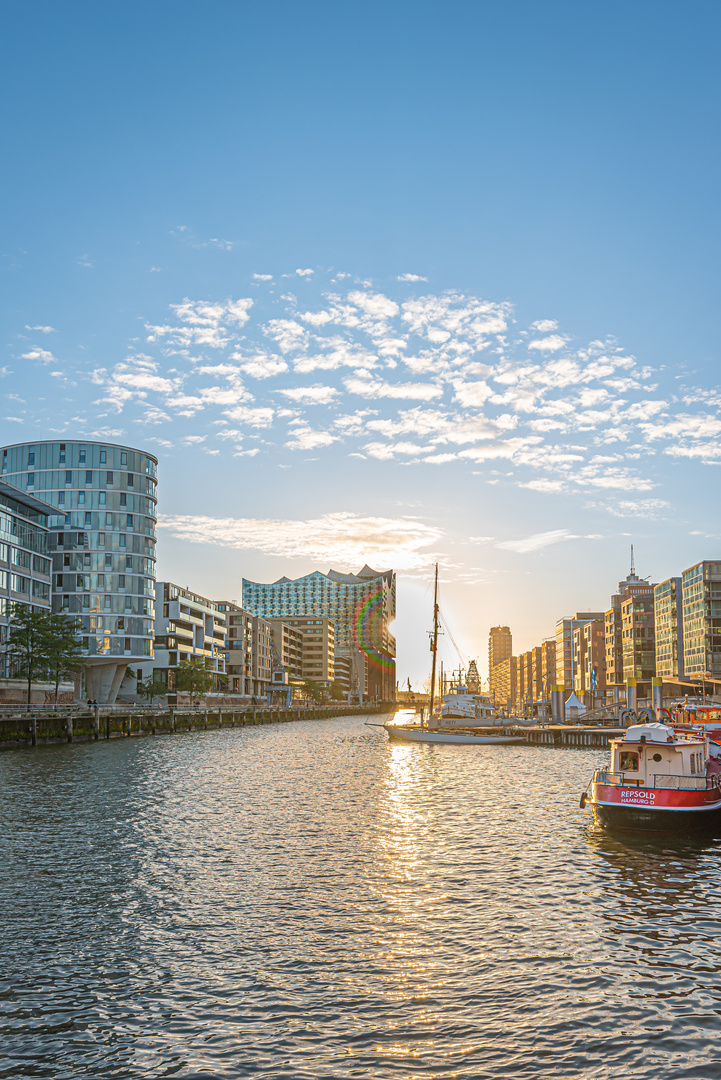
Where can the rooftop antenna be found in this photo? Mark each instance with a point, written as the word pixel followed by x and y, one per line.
pixel 633 565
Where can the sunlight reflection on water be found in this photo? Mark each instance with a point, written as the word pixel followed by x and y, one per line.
pixel 307 900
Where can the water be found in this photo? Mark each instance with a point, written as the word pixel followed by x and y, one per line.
pixel 306 900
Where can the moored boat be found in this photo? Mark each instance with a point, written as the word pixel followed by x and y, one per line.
pixel 658 781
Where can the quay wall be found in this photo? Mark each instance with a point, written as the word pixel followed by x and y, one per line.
pixel 36 728
pixel 560 735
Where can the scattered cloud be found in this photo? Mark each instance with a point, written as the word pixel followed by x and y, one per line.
pixel 42 329
pixel 538 541
pixel 41 355
pixel 411 277
pixel 338 540
pixel 262 277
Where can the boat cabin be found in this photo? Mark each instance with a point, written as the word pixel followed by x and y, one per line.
pixel 650 755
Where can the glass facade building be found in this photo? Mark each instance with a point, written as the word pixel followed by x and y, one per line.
pixel 668 616
pixel 102 547
pixel 360 606
pixel 701 586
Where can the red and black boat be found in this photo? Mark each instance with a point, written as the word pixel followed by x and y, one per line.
pixel 659 780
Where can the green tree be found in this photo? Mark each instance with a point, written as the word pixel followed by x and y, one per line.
pixel 194 676
pixel 151 687
pixel 313 689
pixel 337 690
pixel 64 652
pixel 28 644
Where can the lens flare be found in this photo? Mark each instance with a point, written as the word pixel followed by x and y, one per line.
pixel 367 629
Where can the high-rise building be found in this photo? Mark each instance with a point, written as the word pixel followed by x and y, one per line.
pixel 360 606
pixel 668 620
pixel 103 549
pixel 187 627
pixel 500 645
pixel 701 585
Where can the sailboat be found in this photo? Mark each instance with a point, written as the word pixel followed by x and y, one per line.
pixel 435 729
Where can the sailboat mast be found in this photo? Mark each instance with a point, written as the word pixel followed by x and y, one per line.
pixel 434 646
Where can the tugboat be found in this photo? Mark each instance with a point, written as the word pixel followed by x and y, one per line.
pixel 658 781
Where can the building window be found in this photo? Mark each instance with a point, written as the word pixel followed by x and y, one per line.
pixel 127 644
pixel 108 520
pixel 87 517
pixel 61 539
pixel 108 562
pixel 31 458
pixel 108 478
pixel 68 476
pixel 62 453
pixel 81 459
pixel 131 480
pixel 121 540
pixel 61 498
pixel 130 521
pixel 31 479
pixel 128 562
pixel 101 581
pixel 121 581
pixel 123 457
pixel 123 499
pixel 101 539
pixel 59 581
pixel 89 476
pixel 81 498
pixel 103 456
pixel 102 498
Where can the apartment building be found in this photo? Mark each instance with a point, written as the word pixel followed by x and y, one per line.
pixel 500 650
pixel 288 646
pixel 504 682
pixel 668 625
pixel 701 591
pixel 101 544
pixel 262 659
pixel 589 659
pixel 239 648
pixel 187 626
pixel 565 668
pixel 317 648
pixel 638 637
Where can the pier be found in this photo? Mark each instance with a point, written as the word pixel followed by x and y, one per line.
pixel 35 726
pixel 565 735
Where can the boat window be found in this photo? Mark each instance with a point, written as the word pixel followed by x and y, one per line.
pixel 657 757
pixel 693 764
pixel 629 762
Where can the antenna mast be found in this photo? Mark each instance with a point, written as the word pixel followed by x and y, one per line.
pixel 633 565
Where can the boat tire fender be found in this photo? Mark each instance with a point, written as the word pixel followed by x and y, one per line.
pixel 582 803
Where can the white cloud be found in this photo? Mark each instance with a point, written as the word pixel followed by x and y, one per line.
pixel 544 325
pixel 42 355
pixel 366 386
pixel 305 438
pixel 263 277
pixel 541 540
pixel 411 277
pixel 548 344
pixel 339 539
pixel 304 273
pixel 315 395
pixel 42 329
pixel 253 417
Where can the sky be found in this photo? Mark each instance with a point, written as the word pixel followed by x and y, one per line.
pixel 394 283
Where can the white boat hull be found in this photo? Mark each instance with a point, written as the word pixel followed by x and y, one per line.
pixel 415 733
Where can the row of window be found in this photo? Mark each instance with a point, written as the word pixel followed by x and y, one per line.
pixel 82 455
pixel 25 586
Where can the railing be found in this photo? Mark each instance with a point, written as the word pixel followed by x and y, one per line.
pixel 659 781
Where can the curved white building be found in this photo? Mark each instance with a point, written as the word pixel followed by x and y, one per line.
pixel 103 553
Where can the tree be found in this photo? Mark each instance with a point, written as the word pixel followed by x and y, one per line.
pixel 313 689
pixel 28 643
pixel 151 687
pixel 193 676
pixel 64 654
pixel 337 690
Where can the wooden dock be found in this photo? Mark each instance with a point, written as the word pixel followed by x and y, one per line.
pixel 570 735
pixel 36 727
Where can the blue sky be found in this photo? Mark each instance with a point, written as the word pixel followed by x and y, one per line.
pixel 378 282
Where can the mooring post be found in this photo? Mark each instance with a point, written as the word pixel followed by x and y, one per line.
pixel 96 723
pixel 34 731
pixel 69 726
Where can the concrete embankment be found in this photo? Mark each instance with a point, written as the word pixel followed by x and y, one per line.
pixel 37 728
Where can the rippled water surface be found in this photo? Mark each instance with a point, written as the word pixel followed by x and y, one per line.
pixel 306 900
